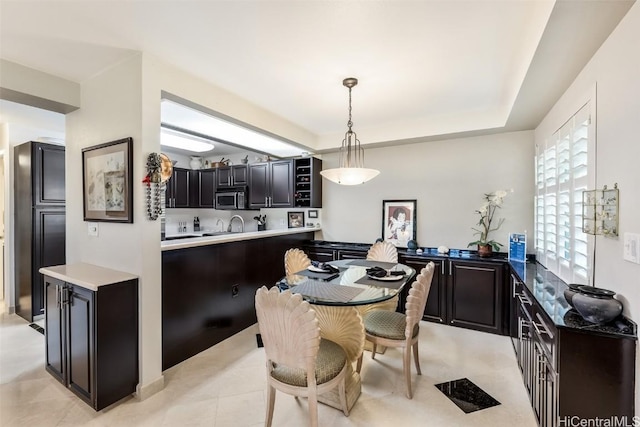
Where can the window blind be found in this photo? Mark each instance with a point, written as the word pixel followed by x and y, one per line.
pixel 564 168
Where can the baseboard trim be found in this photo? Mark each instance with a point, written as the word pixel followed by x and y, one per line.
pixel 146 391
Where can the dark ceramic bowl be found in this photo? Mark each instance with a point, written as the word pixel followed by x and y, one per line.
pixel 570 292
pixel 596 305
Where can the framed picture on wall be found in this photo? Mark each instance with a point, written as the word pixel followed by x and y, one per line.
pixel 295 219
pixel 107 181
pixel 399 221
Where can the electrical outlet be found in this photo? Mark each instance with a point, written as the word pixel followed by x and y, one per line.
pixel 281 221
pixel 92 229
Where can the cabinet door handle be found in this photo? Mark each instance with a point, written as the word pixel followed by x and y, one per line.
pixel 543 325
pixel 266 202
pixel 57 296
pixel 442 268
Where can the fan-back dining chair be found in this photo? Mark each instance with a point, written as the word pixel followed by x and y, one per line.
pixel 295 260
pixel 299 361
pixel 393 329
pixel 382 251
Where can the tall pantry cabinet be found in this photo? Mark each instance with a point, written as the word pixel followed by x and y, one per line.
pixel 39 220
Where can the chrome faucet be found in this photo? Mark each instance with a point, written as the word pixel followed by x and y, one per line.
pixel 231 223
pixel 219 221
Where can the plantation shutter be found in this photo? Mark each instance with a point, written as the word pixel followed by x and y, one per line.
pixel 563 170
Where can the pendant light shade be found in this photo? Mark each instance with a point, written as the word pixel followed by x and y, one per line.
pixel 351 170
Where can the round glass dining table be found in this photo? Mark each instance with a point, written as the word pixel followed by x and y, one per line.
pixel 340 300
pixel 351 286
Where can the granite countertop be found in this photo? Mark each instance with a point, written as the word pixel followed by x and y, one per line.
pixel 426 252
pixel 548 290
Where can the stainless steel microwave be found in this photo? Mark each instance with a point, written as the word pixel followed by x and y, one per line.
pixel 231 199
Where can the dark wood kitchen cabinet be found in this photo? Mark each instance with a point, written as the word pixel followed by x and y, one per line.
pixel 232 176
pixel 436 308
pixel 92 339
pixel 208 292
pixel 271 184
pixel 475 296
pixel 308 182
pixel 203 185
pixel 40 221
pixel 571 369
pixel 178 189
pixel 189 188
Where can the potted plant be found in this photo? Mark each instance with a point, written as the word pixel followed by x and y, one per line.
pixel 487 210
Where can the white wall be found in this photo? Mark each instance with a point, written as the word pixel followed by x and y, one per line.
pixel 448 179
pixel 615 70
pixel 113 108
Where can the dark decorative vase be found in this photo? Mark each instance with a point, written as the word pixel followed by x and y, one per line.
pixel 412 245
pixel 485 251
pixel 596 305
pixel 570 292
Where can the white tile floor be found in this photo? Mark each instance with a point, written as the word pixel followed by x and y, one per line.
pixel 225 386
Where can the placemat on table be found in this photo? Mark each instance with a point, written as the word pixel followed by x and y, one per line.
pixel 315 275
pixel 391 284
pixel 367 263
pixel 326 291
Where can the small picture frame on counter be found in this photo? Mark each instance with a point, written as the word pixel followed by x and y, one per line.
pixel 312 213
pixel 295 219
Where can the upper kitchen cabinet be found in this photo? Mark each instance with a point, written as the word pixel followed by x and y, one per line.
pixel 271 184
pixel 177 194
pixel 308 182
pixel 232 176
pixel 203 185
pixel 191 188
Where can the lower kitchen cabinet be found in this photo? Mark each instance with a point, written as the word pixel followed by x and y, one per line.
pixel 92 339
pixel 208 292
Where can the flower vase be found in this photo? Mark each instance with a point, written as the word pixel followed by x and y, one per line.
pixel 196 162
pixel 485 251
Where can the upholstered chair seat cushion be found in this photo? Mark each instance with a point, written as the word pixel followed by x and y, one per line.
pixel 331 360
pixel 387 324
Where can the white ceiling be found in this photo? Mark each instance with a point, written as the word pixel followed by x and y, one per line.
pixel 426 68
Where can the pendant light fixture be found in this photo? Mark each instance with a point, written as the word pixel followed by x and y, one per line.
pixel 351 170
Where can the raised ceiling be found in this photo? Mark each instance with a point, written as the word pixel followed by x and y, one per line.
pixel 426 69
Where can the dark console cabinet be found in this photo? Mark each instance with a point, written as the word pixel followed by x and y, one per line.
pixel 571 369
pixel 40 220
pixel 475 296
pixel 92 339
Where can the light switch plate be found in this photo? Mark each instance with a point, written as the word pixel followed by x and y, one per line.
pixel 632 247
pixel 92 229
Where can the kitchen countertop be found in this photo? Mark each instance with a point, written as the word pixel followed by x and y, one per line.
pixel 88 276
pixel 191 242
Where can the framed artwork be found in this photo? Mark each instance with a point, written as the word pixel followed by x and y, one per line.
pixel 313 213
pixel 399 221
pixel 295 219
pixel 107 181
